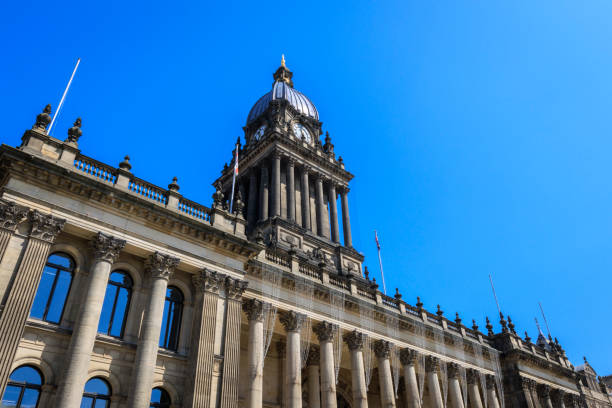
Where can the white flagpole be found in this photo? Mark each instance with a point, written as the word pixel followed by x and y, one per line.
pixel 495 295
pixel 234 178
pixel 382 274
pixel 64 96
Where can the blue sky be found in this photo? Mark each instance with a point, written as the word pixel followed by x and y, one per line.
pixel 479 132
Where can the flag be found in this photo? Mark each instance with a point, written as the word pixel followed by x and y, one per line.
pixel 234 175
pixel 236 162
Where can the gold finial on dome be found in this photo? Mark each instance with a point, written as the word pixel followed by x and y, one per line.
pixel 283 61
pixel 283 74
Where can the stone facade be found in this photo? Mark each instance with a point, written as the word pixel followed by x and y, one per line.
pixel 265 305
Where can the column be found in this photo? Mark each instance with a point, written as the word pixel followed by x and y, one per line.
pixel 314 386
pixel 11 215
pixel 292 322
pixel 20 294
pixel 491 394
pixel 254 311
pixel 432 364
pixel 526 396
pixel 473 379
pixel 346 219
pixel 558 396
pixel 333 212
pixel 234 288
pixel 252 210
pixel 263 193
pixel 305 199
pixel 276 185
pixel 533 388
pixel 325 333
pixel 454 388
pixel 291 189
pixel 207 284
pixel 354 340
pixel 160 268
pixel 322 223
pixel 382 350
pixel 546 396
pixel 281 350
pixel 408 359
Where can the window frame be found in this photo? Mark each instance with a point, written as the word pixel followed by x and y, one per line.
pixel 159 404
pixel 130 291
pixel 57 269
pixel 23 386
pixel 97 397
pixel 177 316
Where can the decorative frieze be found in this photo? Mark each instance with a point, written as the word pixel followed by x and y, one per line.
pixel 11 215
pixel 432 364
pixel 354 340
pixel 234 288
pixel 325 331
pixel 253 308
pixel 408 356
pixel 292 321
pixel 106 247
pixel 161 265
pixel 382 348
pixel 208 281
pixel 45 227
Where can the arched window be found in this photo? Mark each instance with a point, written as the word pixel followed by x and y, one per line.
pixel 23 388
pixel 97 394
pixel 116 304
pixel 53 288
pixel 160 398
pixel 171 323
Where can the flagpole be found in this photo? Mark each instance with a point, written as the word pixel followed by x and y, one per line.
pixel 494 295
pixel 64 96
pixel 234 177
pixel 382 274
pixel 544 316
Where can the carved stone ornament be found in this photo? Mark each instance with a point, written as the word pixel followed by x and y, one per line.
pixel 314 356
pixel 432 364
pixel 382 349
pixel 490 381
pixel 557 396
pixel 161 265
pixel 408 357
pixel 453 370
pixel 106 247
pixel 354 340
pixel 43 119
pixel 473 377
pixel 544 390
pixel 218 197
pixel 281 347
pixel 11 215
pixel 292 321
pixel 208 281
pixel 325 331
pixel 234 288
pixel 254 309
pixel 75 132
pixel 44 226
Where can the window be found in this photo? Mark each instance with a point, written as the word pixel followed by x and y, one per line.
pixel 53 288
pixel 97 394
pixel 171 323
pixel 23 388
pixel 116 304
pixel 160 398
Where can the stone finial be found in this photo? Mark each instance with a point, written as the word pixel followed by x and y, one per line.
pixel 328 147
pixel 340 160
pixel 161 265
pixel 75 132
pixel 490 379
pixel 43 119
pixel 474 325
pixel 366 273
pixel 174 185
pixel 234 288
pixel 432 364
pixel 489 327
pixel 292 321
pixel 217 196
pixel 125 164
pixel 419 304
pixel 354 340
pixel 398 296
pixel 373 284
pixel 408 357
pixel 314 356
pixel 527 338
pixel 382 348
pixel 511 325
pixel 283 74
pixel 453 370
pixel 457 319
pixel 238 203
pixel 325 331
pixel 45 227
pixel 11 215
pixel 254 309
pixel 208 281
pixel 503 323
pixel 439 312
pixel 106 247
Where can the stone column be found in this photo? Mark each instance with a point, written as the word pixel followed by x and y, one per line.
pixel 545 390
pixel 325 334
pixel 432 365
pixel 533 388
pixel 454 388
pixel 314 386
pixel 473 380
pixel 346 219
pixel 254 311
pixel 234 288
pixel 491 394
pixel 382 349
pixel 292 323
pixel 305 199
pixel 160 267
pixel 408 359
pixel 207 284
pixel 291 189
pixel 263 193
pixel 281 350
pixel 20 294
pixel 558 397
pixel 524 384
pixel 333 212
pixel 354 340
pixel 252 210
pixel 276 185
pixel 11 215
pixel 322 223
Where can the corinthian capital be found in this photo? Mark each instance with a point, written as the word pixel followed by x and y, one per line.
pixel 324 331
pixel 453 370
pixel 490 381
pixel 161 265
pixel 234 288
pixel 354 340
pixel 382 348
pixel 473 377
pixel 432 364
pixel 106 247
pixel 11 214
pixel 408 357
pixel 314 356
pixel 208 281
pixel 254 309
pixel 292 321
pixel 45 226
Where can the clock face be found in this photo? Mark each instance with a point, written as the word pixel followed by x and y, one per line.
pixel 300 132
pixel 260 132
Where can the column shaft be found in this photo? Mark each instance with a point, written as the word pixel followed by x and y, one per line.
pixel 252 203
pixel 333 212
pixel 385 380
pixel 454 390
pixel 254 311
pixel 305 200
pixel 322 223
pixel 435 395
pixel 276 192
pixel 263 193
pixel 314 388
pixel 292 322
pixel 411 386
pixel 474 395
pixel 325 333
pixel 291 190
pixel 526 392
pixel 355 341
pixel 493 401
pixel 346 220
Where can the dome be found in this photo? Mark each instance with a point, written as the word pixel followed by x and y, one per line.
pixel 282 89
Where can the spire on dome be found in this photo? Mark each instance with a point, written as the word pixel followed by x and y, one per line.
pixel 283 74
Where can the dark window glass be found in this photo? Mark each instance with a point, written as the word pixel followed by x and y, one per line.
pixel 116 304
pixel 97 394
pixel 23 388
pixel 53 288
pixel 171 323
pixel 160 398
